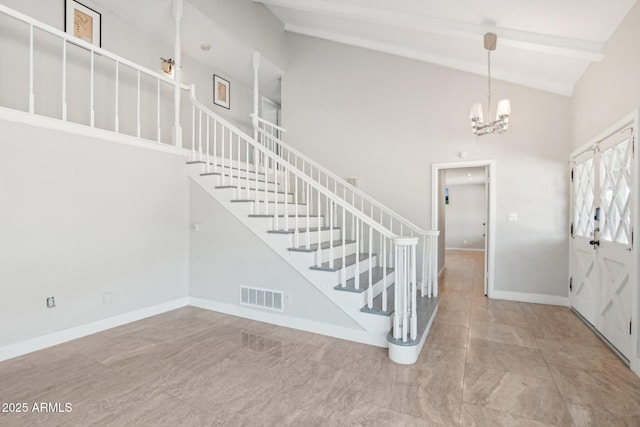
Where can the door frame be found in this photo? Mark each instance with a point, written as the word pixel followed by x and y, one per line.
pixel 491 209
pixel 634 118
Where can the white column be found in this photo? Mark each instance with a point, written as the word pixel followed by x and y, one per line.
pixel 177 128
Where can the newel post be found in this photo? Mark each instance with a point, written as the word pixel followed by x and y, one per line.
pixel 177 128
pixel 405 321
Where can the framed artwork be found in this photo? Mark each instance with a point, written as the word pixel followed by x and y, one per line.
pixel 221 92
pixel 83 22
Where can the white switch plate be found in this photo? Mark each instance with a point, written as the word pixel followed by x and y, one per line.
pixel 106 298
pixel 512 216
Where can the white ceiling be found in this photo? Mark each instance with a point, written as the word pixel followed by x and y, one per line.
pixel 544 44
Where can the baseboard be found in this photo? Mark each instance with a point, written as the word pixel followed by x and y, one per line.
pixel 18 349
pixel 357 335
pixel 464 249
pixel 532 298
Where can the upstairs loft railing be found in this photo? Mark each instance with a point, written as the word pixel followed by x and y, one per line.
pixel 269 135
pixel 49 73
pixel 99 89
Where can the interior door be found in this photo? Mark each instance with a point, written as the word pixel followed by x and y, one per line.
pixel 602 244
pixel 615 248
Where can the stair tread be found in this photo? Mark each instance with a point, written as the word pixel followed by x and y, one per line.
pixel 251 189
pixel 324 245
pixel 337 263
pixel 262 201
pixel 233 168
pixel 376 307
pixel 236 176
pixel 282 216
pixel 300 230
pixel 376 276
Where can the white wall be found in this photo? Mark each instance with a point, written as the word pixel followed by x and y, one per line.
pixel 465 215
pixel 81 217
pixel 609 90
pixel 385 120
pixel 225 255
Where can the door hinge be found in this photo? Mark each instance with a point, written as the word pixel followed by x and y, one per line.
pixel 570 284
pixel 571 230
pixel 629 327
pixel 571 174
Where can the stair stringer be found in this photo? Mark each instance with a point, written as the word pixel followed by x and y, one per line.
pixel 374 327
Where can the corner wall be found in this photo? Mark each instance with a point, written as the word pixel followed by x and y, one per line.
pixel 386 119
pixel 81 218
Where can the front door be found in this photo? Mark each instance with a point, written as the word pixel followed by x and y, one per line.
pixel 602 246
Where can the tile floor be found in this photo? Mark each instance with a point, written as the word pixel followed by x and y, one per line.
pixel 486 363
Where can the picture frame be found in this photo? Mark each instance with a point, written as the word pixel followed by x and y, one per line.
pixel 83 22
pixel 221 92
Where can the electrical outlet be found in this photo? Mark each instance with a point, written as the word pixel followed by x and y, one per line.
pixel 51 302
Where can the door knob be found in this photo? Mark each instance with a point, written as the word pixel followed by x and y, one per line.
pixel 594 242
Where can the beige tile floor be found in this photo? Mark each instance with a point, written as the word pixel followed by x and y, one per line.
pixel 486 363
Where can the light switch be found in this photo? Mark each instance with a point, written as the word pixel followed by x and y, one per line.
pixel 512 216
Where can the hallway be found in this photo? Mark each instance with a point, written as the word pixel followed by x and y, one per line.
pixel 486 363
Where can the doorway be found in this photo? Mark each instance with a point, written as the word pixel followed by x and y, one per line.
pixel 485 224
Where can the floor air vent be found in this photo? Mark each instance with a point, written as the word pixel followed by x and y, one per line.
pixel 263 298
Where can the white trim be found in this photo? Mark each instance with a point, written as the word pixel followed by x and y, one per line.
pixel 491 207
pixel 18 349
pixel 531 81
pixel 464 249
pixel 78 129
pixel 357 335
pixel 532 298
pixel 544 43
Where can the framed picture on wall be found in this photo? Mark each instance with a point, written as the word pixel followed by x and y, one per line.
pixel 83 22
pixel 221 92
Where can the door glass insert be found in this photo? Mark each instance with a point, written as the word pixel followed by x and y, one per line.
pixel 583 212
pixel 615 192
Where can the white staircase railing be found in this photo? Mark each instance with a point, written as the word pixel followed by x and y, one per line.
pixel 427 245
pixel 249 166
pixel 256 169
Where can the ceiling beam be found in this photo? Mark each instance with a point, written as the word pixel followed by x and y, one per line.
pixel 535 42
pixel 525 80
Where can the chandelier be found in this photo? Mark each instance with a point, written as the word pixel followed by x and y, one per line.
pixel 501 123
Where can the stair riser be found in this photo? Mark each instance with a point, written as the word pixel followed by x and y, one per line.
pixel 348 249
pixel 313 237
pixel 280 209
pixel 217 180
pixel 269 223
pixel 350 271
pixel 271 197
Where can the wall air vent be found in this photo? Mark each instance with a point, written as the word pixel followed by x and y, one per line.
pixel 263 298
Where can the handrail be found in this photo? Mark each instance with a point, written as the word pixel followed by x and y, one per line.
pixel 352 210
pixel 266 122
pixel 355 190
pixel 79 42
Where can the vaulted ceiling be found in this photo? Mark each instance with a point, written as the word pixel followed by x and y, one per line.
pixel 544 44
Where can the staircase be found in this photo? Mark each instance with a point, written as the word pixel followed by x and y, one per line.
pixel 376 266
pixel 361 255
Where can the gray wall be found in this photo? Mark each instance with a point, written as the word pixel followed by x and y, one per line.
pixel 465 214
pixel 81 217
pixel 609 90
pixel 386 119
pixel 225 255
